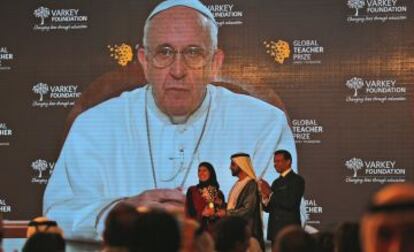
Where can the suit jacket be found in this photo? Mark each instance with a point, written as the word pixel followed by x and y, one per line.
pixel 284 204
pixel 248 206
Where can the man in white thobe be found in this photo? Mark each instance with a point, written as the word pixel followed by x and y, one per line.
pixel 244 197
pixel 139 147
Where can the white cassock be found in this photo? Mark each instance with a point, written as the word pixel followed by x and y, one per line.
pixel 106 155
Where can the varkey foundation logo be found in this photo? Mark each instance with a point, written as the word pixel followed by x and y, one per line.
pixel 376 10
pixel 374 171
pixel 5 57
pixel 313 211
pixel 59 19
pixel 4 207
pixel 307 131
pixel 42 171
pixel 5 133
pixel 123 53
pixel 226 14
pixel 55 95
pixel 300 51
pixel 375 90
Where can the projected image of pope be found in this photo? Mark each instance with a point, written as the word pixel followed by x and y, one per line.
pixel 140 147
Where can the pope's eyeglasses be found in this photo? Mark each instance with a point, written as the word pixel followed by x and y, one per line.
pixel 194 57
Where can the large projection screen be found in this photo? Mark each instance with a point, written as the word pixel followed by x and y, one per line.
pixel 342 71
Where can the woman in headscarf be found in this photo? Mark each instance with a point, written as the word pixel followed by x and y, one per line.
pixel 204 201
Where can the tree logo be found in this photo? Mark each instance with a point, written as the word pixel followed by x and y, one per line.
pixel 42 13
pixel 354 164
pixel 279 50
pixel 356 4
pixel 41 89
pixel 355 84
pixel 40 165
pixel 121 53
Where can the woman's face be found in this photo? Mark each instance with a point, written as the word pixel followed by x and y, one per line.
pixel 203 174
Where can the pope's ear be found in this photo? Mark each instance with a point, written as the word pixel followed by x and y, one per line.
pixel 218 59
pixel 143 60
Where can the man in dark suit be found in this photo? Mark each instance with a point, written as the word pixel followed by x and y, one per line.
pixel 282 199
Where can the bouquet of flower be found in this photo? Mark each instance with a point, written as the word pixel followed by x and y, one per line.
pixel 209 194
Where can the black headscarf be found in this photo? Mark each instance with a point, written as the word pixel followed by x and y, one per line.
pixel 212 181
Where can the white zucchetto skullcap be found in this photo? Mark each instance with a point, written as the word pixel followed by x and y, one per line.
pixel 194 4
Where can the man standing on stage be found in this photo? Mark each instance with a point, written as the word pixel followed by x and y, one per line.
pixel 282 199
pixel 244 196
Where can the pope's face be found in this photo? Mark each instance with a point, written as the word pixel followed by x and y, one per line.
pixel 179 88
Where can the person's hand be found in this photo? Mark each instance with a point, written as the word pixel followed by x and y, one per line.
pixel 207 212
pixel 168 199
pixel 265 188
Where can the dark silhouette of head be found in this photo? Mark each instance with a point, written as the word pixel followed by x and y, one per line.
pixel 156 231
pixel 42 241
pixel 324 241
pixel 294 239
pixel 119 226
pixel 43 224
pixel 347 237
pixel 232 234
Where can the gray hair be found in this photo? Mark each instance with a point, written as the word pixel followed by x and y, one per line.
pixel 204 21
